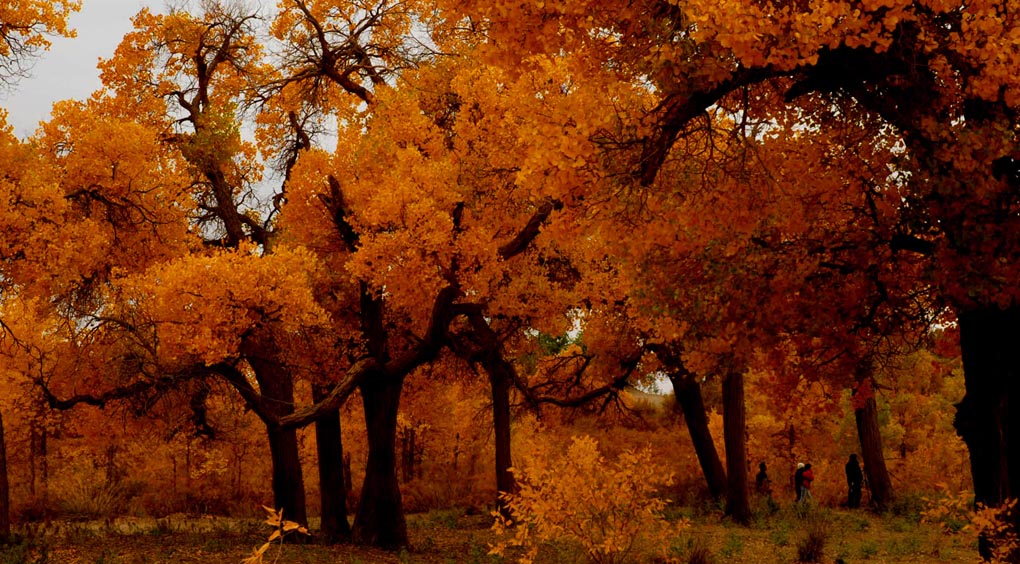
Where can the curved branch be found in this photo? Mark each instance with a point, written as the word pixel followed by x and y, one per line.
pixel 520 242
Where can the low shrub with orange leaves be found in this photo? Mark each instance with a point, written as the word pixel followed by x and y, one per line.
pixel 996 525
pixel 282 528
pixel 611 508
pixel 956 513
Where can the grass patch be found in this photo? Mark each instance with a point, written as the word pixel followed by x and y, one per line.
pixel 441 537
pixel 689 550
pixel 732 546
pixel 867 550
pixel 780 534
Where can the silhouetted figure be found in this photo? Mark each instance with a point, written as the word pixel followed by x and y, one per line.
pixel 854 482
pixel 762 483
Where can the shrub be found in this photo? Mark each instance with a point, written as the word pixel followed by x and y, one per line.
pixel 909 506
pixel 995 525
pixel 281 529
pixel 86 499
pixel 686 550
pixel 811 548
pixel 609 508
pixel 951 512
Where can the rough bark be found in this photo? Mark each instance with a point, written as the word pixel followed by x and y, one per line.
pixel 332 491
pixel 688 396
pixel 380 518
pixel 988 341
pixel 872 451
pixel 738 504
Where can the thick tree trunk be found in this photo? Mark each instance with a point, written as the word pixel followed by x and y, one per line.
pixel 288 480
pixel 332 493
pixel 688 396
pixel 277 388
pixel 5 488
pixel 738 505
pixel 872 451
pixel 991 362
pixel 500 379
pixel 380 519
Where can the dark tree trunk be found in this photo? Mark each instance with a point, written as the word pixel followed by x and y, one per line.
pixel 738 504
pixel 380 519
pixel 688 396
pixel 866 417
pixel 500 379
pixel 288 480
pixel 989 340
pixel 5 488
pixel 277 388
pixel 332 493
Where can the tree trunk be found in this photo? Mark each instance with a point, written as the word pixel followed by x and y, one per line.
pixel 277 388
pixel 738 504
pixel 872 451
pixel 688 396
pixel 288 480
pixel 500 380
pixel 5 489
pixel 988 342
pixel 380 519
pixel 332 493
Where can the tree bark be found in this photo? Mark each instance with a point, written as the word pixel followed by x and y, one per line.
pixel 688 396
pixel 277 387
pixel 500 380
pixel 332 490
pixel 5 488
pixel 380 518
pixel 988 342
pixel 866 417
pixel 738 505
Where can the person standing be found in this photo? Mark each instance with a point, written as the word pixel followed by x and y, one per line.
pixel 806 477
pixel 762 483
pixel 854 482
pixel 798 480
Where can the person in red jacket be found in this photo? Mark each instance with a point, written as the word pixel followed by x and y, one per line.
pixel 806 478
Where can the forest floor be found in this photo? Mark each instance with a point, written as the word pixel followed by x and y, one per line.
pixel 450 536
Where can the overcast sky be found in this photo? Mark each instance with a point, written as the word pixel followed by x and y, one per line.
pixel 68 69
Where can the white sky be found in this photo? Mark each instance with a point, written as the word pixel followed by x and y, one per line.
pixel 68 69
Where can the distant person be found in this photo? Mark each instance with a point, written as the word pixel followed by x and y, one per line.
pixel 854 482
pixel 762 482
pixel 798 480
pixel 806 477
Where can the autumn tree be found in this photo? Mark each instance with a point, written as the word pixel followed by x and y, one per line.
pixel 953 112
pixel 25 28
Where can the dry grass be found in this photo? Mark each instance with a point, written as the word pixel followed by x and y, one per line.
pixel 448 537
